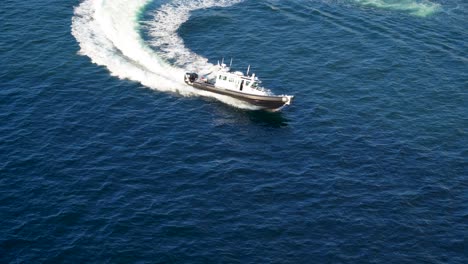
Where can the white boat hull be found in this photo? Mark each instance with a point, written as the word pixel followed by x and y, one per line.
pixel 266 102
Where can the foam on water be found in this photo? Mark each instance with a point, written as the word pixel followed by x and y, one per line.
pixel 108 33
pixel 421 8
pixel 167 20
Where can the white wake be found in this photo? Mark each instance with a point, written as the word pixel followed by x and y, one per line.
pixel 167 20
pixel 108 32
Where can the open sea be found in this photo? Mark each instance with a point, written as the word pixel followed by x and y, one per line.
pixel 106 156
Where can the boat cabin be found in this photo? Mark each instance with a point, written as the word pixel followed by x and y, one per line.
pixel 237 81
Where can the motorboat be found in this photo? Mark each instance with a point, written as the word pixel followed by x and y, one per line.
pixel 235 84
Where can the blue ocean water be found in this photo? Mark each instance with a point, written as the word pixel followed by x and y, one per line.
pixel 106 156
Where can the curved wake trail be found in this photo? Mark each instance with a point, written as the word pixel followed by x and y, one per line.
pixel 167 20
pixel 108 33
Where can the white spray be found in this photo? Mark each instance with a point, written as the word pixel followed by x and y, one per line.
pixel 108 33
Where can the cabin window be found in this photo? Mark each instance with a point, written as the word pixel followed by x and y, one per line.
pixel 219 77
pixel 231 80
pixel 247 83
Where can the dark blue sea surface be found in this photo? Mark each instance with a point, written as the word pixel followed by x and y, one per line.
pixel 106 157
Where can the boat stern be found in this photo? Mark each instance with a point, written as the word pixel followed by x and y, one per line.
pixel 190 77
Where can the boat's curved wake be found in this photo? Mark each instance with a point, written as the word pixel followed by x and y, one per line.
pixel 163 31
pixel 108 32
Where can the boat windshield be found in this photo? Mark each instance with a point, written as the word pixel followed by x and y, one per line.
pixel 255 85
